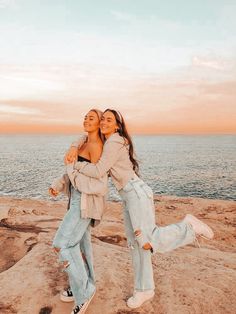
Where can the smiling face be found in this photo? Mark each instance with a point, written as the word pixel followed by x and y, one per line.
pixel 91 122
pixel 108 124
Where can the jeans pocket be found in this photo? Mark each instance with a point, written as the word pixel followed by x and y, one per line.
pixel 128 187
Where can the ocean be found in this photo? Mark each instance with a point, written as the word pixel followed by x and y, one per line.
pixel 197 166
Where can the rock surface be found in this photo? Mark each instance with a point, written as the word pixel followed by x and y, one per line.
pixel 188 280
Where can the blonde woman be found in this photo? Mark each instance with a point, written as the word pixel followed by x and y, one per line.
pixel 86 204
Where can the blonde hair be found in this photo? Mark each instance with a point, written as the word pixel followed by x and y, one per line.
pixel 98 112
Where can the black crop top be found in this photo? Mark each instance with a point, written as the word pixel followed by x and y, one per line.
pixel 81 158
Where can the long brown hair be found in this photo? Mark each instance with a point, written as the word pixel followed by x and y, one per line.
pixel 122 130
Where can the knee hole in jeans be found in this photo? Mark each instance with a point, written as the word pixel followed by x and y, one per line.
pixel 137 232
pixel 56 249
pixel 66 264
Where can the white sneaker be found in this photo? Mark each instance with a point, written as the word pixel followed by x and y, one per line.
pixel 67 296
pixel 199 227
pixel 139 298
pixel 81 308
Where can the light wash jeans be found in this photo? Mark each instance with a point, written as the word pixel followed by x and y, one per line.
pixel 139 214
pixel 73 238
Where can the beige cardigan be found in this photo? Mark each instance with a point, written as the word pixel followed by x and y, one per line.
pixel 114 158
pixel 93 191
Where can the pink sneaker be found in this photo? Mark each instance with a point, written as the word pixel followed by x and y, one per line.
pixel 199 227
pixel 139 298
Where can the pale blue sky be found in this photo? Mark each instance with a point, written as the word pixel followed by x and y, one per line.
pixel 75 31
pixel 70 52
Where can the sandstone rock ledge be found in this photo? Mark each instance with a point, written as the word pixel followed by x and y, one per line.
pixel 188 280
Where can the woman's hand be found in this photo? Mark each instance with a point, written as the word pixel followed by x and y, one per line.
pixel 52 192
pixel 71 155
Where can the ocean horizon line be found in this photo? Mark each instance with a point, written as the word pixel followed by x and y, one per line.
pixel 133 134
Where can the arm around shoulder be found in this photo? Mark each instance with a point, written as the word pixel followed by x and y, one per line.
pixel 110 154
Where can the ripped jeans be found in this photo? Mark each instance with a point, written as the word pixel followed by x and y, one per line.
pixel 139 214
pixel 74 241
pixel 133 207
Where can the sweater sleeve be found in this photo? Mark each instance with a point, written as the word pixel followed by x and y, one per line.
pixel 61 184
pixel 87 184
pixel 110 154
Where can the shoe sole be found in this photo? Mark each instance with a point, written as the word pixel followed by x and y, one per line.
pixel 209 230
pixel 66 299
pixel 87 304
pixel 131 307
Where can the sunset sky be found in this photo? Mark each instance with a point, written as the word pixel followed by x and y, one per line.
pixel 168 66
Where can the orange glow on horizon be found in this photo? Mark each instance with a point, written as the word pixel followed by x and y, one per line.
pixel 223 128
pixel 149 106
